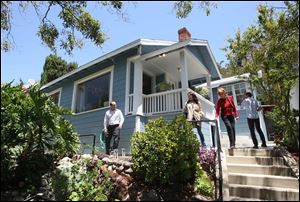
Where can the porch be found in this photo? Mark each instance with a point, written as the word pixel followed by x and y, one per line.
pixel 158 82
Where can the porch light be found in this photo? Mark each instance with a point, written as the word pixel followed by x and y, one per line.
pixel 179 69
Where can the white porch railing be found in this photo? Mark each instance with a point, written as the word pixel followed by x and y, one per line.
pixel 168 101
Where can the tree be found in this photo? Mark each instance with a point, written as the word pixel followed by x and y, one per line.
pixel 272 46
pixel 55 67
pixel 75 20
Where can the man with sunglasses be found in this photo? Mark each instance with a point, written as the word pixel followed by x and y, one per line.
pixel 113 121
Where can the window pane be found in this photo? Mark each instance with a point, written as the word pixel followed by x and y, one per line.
pixel 55 97
pixel 239 99
pixel 93 94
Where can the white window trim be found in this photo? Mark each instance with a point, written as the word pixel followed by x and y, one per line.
pixel 129 60
pixel 92 76
pixel 55 91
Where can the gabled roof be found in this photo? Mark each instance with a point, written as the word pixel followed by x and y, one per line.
pixel 170 45
pixel 111 54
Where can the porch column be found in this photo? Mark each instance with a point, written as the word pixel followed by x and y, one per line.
pixel 138 89
pixel 183 75
pixel 208 82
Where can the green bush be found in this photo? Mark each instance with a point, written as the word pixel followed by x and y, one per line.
pixel 166 152
pixel 286 127
pixel 79 181
pixel 33 134
pixel 202 183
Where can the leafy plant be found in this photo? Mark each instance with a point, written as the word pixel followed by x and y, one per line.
pixel 33 134
pixel 202 183
pixel 166 152
pixel 204 92
pixel 78 180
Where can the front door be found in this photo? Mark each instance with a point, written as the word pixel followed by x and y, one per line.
pixel 147 87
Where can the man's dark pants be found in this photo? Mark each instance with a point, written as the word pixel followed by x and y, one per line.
pixel 251 123
pixel 113 132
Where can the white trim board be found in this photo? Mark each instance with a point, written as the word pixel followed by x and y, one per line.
pixel 55 91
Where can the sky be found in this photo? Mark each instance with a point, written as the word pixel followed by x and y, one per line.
pixel 147 20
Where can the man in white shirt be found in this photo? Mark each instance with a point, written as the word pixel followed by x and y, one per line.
pixel 113 122
pixel 252 107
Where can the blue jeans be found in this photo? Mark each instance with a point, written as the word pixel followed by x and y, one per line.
pixel 201 136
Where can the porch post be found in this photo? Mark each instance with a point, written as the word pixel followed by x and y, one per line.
pixel 183 75
pixel 138 89
pixel 208 82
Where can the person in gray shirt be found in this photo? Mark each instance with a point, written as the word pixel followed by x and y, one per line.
pixel 252 107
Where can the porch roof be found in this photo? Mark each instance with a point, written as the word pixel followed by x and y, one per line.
pixel 228 80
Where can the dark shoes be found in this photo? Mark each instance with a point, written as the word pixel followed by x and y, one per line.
pixel 256 147
pixel 264 145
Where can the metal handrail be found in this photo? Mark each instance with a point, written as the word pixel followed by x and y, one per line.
pixel 94 141
pixel 219 149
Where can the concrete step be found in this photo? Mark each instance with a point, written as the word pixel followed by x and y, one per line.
pixel 252 152
pixel 260 160
pixel 259 169
pixel 235 198
pixel 264 193
pixel 263 180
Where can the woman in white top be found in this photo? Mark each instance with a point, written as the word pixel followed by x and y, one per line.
pixel 193 111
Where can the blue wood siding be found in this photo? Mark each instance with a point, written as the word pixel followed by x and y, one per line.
pixel 202 54
pixel 148 49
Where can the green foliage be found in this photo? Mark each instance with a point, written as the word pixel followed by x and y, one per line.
pixel 184 8
pixel 33 134
pixel 202 183
pixel 203 91
pixel 79 181
pixel 166 152
pixel 73 15
pixel 55 67
pixel 272 46
pixel 287 130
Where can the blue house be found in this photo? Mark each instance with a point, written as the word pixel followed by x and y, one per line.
pixel 147 78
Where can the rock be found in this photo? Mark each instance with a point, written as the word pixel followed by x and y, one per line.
pixel 44 182
pixel 129 171
pixel 120 168
pixel 110 168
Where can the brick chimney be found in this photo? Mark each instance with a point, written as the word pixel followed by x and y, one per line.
pixel 183 34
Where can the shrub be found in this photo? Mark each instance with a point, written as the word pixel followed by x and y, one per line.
pixel 202 183
pixel 79 180
pixel 33 134
pixel 166 152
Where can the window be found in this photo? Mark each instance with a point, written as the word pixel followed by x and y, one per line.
pixel 55 96
pixel 237 91
pixel 228 89
pixel 240 90
pixel 93 92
